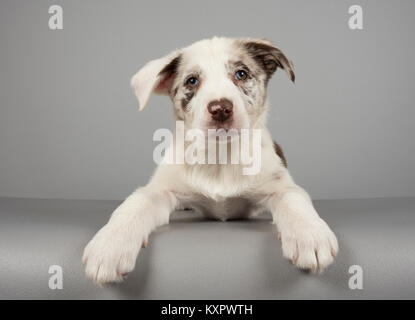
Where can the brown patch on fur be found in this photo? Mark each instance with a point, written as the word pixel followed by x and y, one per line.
pixel 280 153
pixel 168 73
pixel 175 90
pixel 186 99
pixel 269 58
pixel 171 67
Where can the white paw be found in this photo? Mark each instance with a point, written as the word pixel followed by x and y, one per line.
pixel 112 253
pixel 309 245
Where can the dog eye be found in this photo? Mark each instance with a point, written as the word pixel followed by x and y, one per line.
pixel 192 81
pixel 241 75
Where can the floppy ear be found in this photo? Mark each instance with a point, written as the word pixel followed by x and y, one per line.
pixel 156 76
pixel 269 57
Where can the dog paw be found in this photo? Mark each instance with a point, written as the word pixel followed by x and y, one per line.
pixel 310 246
pixel 111 255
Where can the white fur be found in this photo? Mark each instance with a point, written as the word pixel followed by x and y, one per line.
pixel 219 191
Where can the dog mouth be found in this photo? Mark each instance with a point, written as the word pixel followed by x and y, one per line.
pixel 225 130
pixel 225 125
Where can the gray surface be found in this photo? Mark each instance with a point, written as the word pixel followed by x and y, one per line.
pixel 69 122
pixel 194 258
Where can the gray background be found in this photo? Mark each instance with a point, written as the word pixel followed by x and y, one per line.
pixel 70 126
pixel 194 258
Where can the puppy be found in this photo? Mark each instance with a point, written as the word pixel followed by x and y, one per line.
pixel 219 83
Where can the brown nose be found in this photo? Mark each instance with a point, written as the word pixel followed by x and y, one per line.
pixel 221 110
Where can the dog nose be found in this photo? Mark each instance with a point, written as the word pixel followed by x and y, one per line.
pixel 221 110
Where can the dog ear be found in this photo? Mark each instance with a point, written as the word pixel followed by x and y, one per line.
pixel 156 76
pixel 269 57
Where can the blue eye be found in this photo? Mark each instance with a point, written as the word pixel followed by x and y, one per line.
pixel 241 75
pixel 192 81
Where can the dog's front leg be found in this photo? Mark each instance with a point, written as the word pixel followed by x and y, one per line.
pixel 307 240
pixel 112 253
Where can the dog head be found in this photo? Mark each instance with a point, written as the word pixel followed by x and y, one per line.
pixel 215 83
